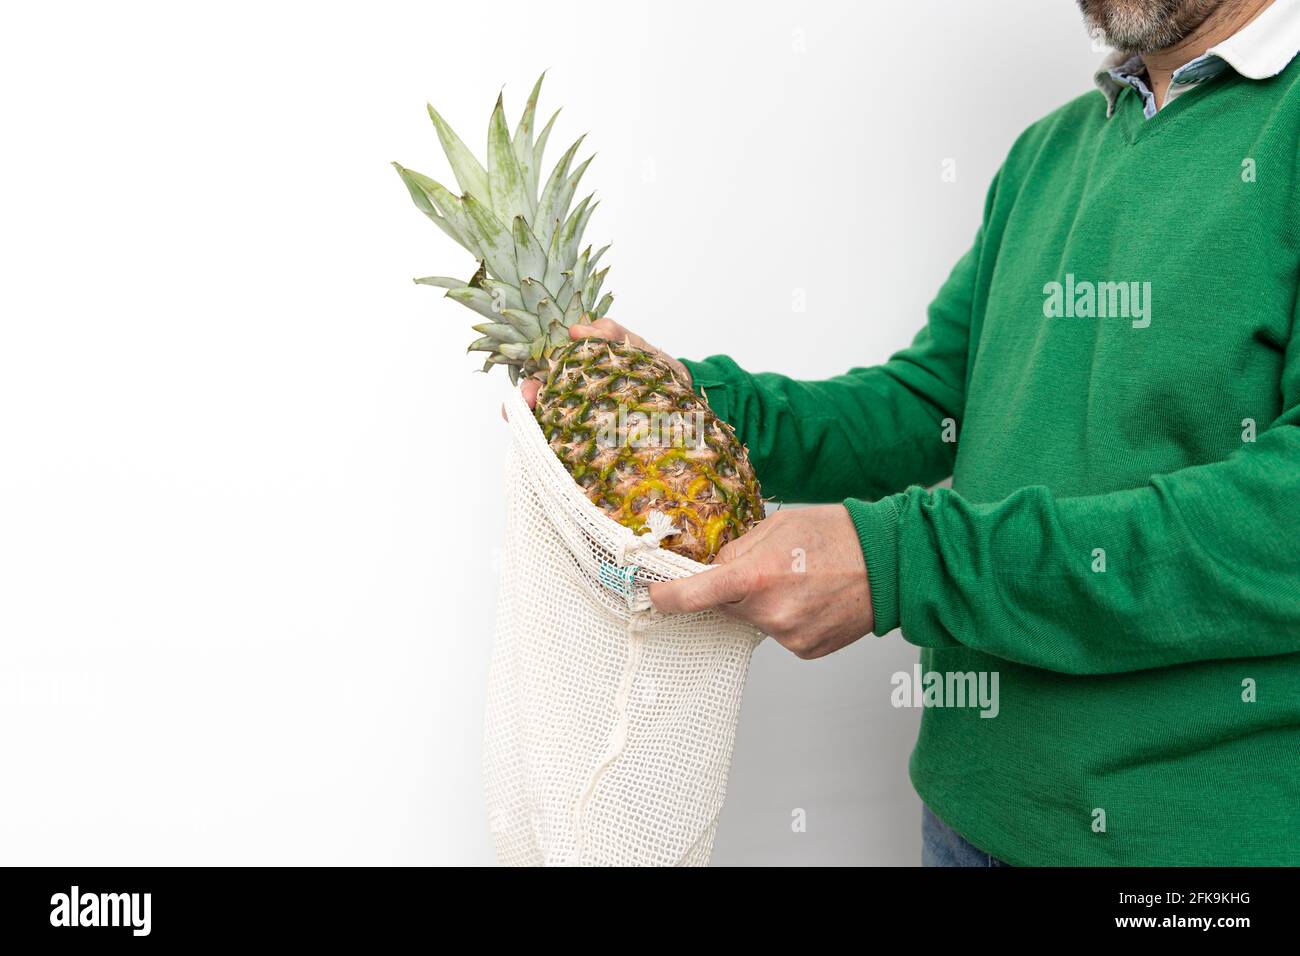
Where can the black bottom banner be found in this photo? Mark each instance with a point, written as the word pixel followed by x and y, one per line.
pixel 385 906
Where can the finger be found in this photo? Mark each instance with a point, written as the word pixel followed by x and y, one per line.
pixel 529 388
pixel 610 329
pixel 739 547
pixel 699 592
pixel 592 332
pixel 603 329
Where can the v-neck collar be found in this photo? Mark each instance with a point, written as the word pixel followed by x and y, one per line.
pixel 1260 50
pixel 1137 127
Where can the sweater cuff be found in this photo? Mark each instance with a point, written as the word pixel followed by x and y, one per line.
pixel 711 378
pixel 877 526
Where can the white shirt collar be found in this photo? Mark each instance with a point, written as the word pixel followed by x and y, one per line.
pixel 1262 48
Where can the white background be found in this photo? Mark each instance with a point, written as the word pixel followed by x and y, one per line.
pixel 249 487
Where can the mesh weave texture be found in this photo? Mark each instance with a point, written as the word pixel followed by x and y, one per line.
pixel 609 726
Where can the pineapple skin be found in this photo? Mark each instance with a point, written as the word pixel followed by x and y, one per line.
pixel 698 474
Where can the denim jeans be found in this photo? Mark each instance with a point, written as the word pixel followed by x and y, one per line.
pixel 941 845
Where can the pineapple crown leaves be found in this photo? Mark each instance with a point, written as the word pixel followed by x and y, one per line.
pixel 533 282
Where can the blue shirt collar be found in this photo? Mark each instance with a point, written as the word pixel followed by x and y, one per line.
pixel 1262 48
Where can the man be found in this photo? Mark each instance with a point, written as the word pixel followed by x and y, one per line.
pixel 1111 375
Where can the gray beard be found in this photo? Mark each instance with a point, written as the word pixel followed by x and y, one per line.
pixel 1142 26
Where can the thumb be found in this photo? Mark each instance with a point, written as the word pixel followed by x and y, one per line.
pixel 530 387
pixel 724 584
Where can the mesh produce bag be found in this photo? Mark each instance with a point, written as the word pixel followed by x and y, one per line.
pixel 609 726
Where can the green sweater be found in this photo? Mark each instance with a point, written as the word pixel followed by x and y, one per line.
pixel 1120 543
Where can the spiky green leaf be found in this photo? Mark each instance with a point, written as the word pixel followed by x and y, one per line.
pixel 436 202
pixel 559 334
pixel 471 176
pixel 574 226
pixel 500 332
pixel 554 202
pixel 574 311
pixel 523 320
pixel 505 178
pixel 555 267
pixel 539 150
pixel 550 314
pixel 563 293
pixel 522 143
pixel 592 289
pixel 532 292
pixel 415 186
pixel 505 294
pixel 530 257
pixel 418 186
pixel 580 269
pixel 494 239
pixel 513 232
pixel 443 282
pixel 576 176
pixel 479 300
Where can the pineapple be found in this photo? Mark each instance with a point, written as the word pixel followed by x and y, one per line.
pixel 634 436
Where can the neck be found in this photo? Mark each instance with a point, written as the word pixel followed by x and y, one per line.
pixel 1228 18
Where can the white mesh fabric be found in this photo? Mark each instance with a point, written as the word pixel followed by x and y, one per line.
pixel 609 726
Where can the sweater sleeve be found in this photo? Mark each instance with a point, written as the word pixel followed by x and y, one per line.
pixel 868 432
pixel 1199 564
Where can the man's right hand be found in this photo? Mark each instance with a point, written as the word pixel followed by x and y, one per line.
pixel 607 329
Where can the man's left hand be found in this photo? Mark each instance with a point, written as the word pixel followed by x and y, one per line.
pixel 798 576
